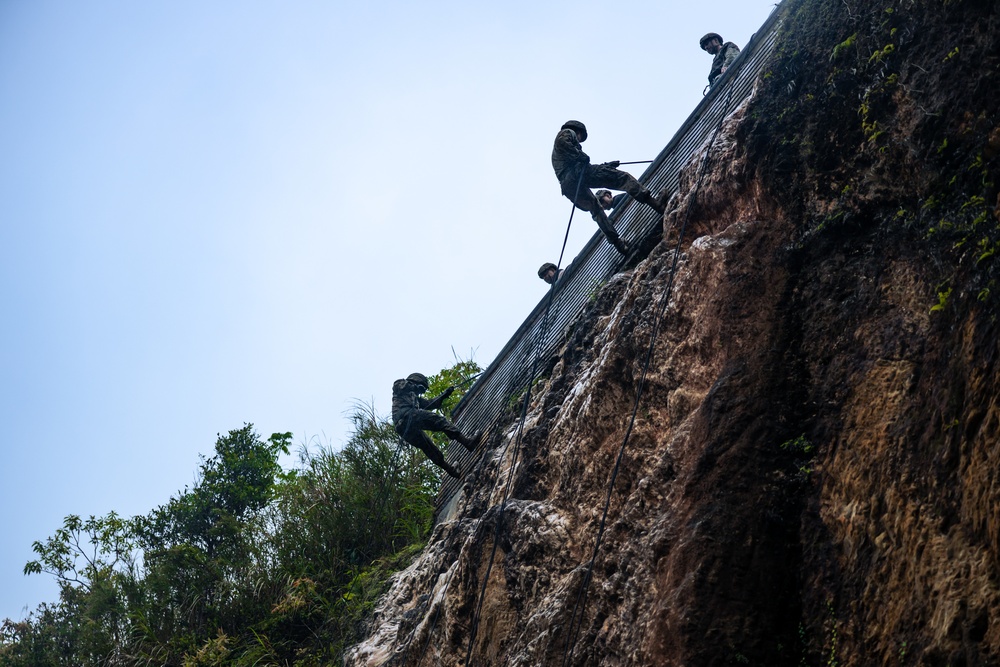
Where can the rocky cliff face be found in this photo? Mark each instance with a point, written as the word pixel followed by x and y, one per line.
pixel 813 474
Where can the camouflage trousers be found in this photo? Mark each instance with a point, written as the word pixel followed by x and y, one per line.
pixel 600 176
pixel 411 426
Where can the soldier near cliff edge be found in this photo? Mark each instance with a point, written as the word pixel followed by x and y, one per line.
pixel 550 273
pixel 609 201
pixel 577 176
pixel 411 415
pixel 725 53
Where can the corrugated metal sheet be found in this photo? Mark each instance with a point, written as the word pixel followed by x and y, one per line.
pixel 506 378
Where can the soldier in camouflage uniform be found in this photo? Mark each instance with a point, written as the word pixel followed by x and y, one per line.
pixel 608 200
pixel 411 415
pixel 725 54
pixel 577 176
pixel 550 273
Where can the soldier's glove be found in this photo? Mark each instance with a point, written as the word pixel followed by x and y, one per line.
pixel 448 392
pixel 613 164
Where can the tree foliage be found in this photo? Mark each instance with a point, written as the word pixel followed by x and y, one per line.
pixel 251 565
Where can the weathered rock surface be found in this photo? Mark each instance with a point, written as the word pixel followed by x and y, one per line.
pixel 813 474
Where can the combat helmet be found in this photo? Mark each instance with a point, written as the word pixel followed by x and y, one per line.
pixel 545 267
pixel 577 127
pixel 709 37
pixel 418 379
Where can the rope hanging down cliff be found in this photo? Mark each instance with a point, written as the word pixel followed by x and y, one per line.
pixel 539 344
pixel 506 494
pixel 576 619
pixel 508 484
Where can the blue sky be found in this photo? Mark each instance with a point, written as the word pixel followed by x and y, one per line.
pixel 229 212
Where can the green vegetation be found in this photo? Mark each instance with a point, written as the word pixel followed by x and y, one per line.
pixel 881 117
pixel 883 53
pixel 594 290
pixel 251 565
pixel 833 635
pixel 799 445
pixel 462 375
pixel 942 303
pixel 846 44
pixel 801 451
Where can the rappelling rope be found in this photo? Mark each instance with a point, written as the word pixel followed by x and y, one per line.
pixel 576 622
pixel 539 344
pixel 517 440
pixel 399 446
pixel 510 474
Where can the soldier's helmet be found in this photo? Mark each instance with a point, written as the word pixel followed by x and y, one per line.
pixel 577 127
pixel 418 379
pixel 709 37
pixel 546 267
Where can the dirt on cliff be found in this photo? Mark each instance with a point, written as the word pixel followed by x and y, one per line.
pixel 813 473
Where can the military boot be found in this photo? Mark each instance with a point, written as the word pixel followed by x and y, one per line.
pixel 647 198
pixel 450 469
pixel 663 198
pixel 473 442
pixel 621 246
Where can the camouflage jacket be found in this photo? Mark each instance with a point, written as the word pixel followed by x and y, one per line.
pixel 406 396
pixel 724 58
pixel 568 155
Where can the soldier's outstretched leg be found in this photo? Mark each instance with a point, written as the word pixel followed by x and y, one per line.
pixel 432 421
pixel 609 231
pixel 411 430
pixel 647 198
pixel 469 442
pixel 603 176
pixel 422 441
pixel 586 201
pixel 639 193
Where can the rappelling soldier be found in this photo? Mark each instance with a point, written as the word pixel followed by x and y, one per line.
pixel 577 176
pixel 725 53
pixel 411 415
